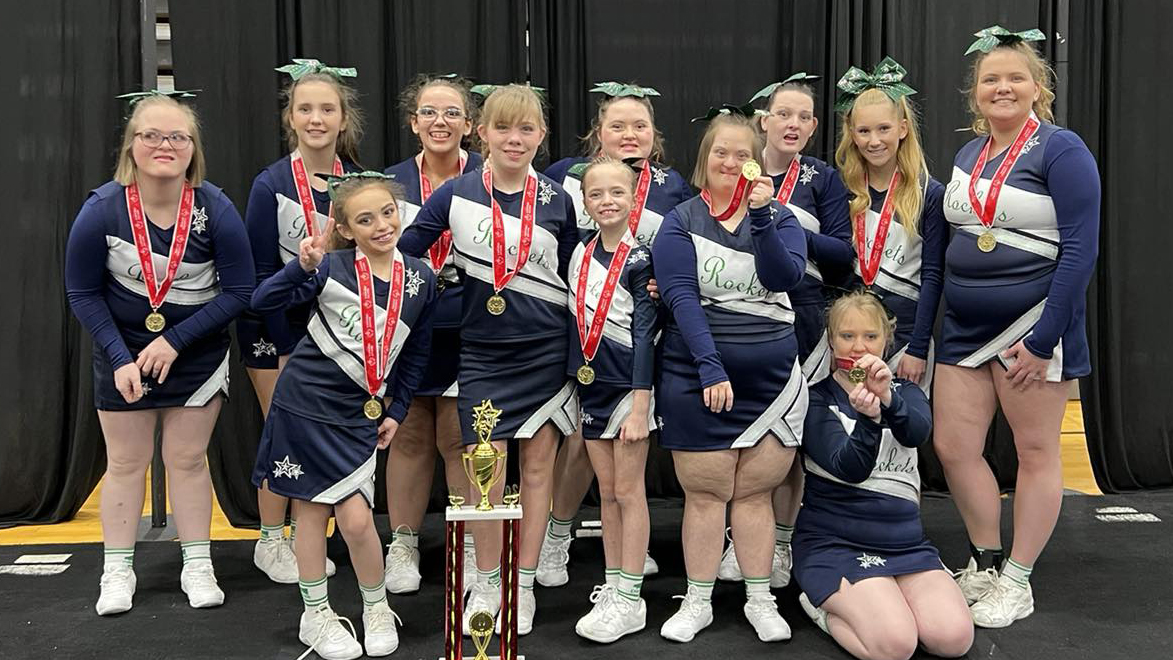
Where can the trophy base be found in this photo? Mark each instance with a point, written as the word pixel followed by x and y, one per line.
pixel 491 657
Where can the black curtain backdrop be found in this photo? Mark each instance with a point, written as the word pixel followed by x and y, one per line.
pixel 64 63
pixel 1120 106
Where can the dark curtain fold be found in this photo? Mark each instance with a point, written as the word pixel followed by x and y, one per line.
pixel 64 64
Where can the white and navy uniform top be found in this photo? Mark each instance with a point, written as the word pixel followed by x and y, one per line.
pixel 860 513
pixel 276 225
pixel 105 287
pixel 731 320
pixel 440 377
pixel 819 201
pixel 666 190
pixel 317 444
pixel 1033 284
pixel 519 357
pixel 626 357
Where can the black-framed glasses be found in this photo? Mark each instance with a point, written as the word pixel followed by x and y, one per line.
pixel 451 113
pixel 155 139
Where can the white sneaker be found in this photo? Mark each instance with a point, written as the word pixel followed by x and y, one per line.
pixel 276 559
pixel 599 597
pixel 198 581
pixel 694 616
pixel 780 570
pixel 527 604
pixel 729 570
pixel 974 583
pixel 379 634
pixel 482 597
pixel 650 565
pixel 552 562
pixel 117 589
pixel 817 614
pixel 321 630
pixel 618 617
pixel 402 572
pixel 470 565
pixel 762 612
pixel 1003 604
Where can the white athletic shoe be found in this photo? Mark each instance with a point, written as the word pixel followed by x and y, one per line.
pixel 780 570
pixel 402 572
pixel 379 634
pixel 762 612
pixel 1003 604
pixel 618 617
pixel 974 583
pixel 552 562
pixel 694 616
pixel 527 604
pixel 321 630
pixel 117 590
pixel 729 571
pixel 650 565
pixel 470 565
pixel 276 559
pixel 482 597
pixel 599 597
pixel 817 614
pixel 198 581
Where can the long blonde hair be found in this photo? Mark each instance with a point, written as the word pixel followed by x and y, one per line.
pixel 348 138
pixel 125 168
pixel 1040 71
pixel 700 172
pixel 910 162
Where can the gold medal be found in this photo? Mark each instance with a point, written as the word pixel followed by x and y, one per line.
pixel 986 242
pixel 751 170
pixel 373 409
pixel 857 375
pixel 155 322
pixel 586 374
pixel 495 304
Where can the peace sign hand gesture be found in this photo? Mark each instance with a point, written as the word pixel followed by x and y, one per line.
pixel 313 248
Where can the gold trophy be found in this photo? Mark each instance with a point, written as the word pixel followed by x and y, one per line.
pixel 480 628
pixel 485 464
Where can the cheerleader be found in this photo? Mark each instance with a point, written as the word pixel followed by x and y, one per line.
pixel 612 358
pixel 624 128
pixel 513 234
pixel 342 395
pixel 156 267
pixel 439 114
pixel 724 261
pixel 869 576
pixel 1024 202
pixel 322 126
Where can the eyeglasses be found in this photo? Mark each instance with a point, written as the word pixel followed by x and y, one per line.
pixel 430 113
pixel 154 139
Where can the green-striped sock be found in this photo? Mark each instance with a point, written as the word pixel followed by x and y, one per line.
pixel 525 578
pixel 123 556
pixel 373 595
pixel 611 576
pixel 491 578
pixel 1017 573
pixel 558 529
pixel 272 533
pixel 196 551
pixel 629 585
pixel 782 534
pixel 757 586
pixel 313 593
pixel 703 589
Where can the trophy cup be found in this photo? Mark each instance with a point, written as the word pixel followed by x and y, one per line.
pixel 485 467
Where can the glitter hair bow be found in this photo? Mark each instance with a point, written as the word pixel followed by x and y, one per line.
pixel 616 90
pixel 747 111
pixel 301 68
pixel 996 35
pixel 135 97
pixel 768 90
pixel 485 90
pixel 333 181
pixel 888 77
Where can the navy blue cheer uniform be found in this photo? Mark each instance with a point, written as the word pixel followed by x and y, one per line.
pixel 105 287
pixel 666 189
pixel 440 377
pixel 1033 283
pixel 730 320
pixel 860 515
pixel 819 201
pixel 317 444
pixel 276 224
pixel 625 359
pixel 517 359
pixel 908 281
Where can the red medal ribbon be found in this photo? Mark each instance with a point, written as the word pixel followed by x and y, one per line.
pixel 987 211
pixel 734 202
pixel 590 340
pixel 306 196
pixel 501 275
pixel 844 363
pixel 439 251
pixel 869 267
pixel 377 354
pixel 157 291
pixel 787 188
pixel 641 197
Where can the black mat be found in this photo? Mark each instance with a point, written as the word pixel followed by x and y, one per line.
pixel 1103 590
